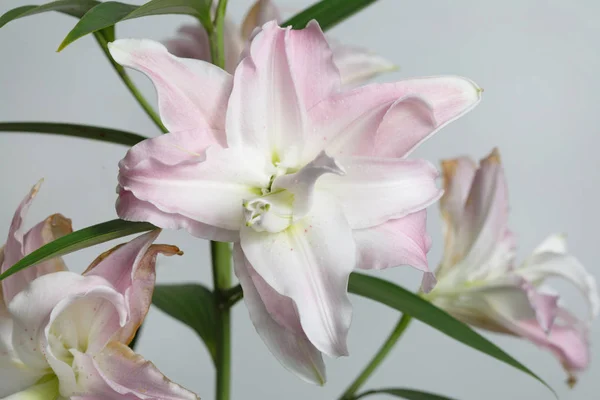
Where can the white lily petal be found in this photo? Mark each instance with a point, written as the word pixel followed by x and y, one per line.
pixel 310 263
pixel 209 191
pixel 33 308
pixel 273 122
pixel 277 322
pixel 375 190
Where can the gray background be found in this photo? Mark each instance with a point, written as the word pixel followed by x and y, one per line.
pixel 538 62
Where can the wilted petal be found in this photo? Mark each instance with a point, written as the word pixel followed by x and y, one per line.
pixel 118 373
pixel 357 64
pixel 389 119
pixel 510 299
pixel 568 341
pixel 402 241
pixel 191 93
pixel 52 228
pixel 130 268
pixel 19 245
pixel 261 12
pixel 548 263
pixel 310 263
pixel 483 230
pixel 277 322
pixel 191 42
pixel 375 190
pixel 210 191
pixel 14 250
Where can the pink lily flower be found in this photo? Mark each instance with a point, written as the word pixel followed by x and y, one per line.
pixel 356 64
pixel 478 281
pixel 309 181
pixel 64 335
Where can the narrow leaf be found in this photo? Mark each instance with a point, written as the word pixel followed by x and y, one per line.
pixel 408 394
pixel 75 8
pixel 193 305
pixel 328 13
pixel 78 240
pixel 74 130
pixel 406 302
pixel 109 13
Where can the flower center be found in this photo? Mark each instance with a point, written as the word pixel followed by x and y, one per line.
pixel 289 196
pixel 270 213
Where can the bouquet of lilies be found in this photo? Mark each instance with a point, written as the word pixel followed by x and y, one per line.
pixel 275 149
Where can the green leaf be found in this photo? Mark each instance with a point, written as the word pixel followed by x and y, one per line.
pixel 78 240
pixel 328 13
pixel 75 130
pixel 406 302
pixel 192 304
pixel 107 14
pixel 409 394
pixel 75 8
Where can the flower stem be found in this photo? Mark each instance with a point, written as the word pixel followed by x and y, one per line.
pixel 221 265
pixel 217 41
pixel 129 83
pixel 378 358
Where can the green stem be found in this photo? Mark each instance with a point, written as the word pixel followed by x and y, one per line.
pixel 378 358
pixel 217 41
pixel 129 83
pixel 221 265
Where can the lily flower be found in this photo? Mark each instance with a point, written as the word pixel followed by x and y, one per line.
pixel 356 64
pixel 64 335
pixel 309 181
pixel 478 281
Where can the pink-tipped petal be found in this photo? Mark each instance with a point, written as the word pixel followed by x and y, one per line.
pixel 131 208
pixel 277 322
pixel 171 149
pixel 273 121
pixel 311 61
pixel 375 190
pixel 402 241
pixel 405 113
pixel 357 64
pixel 191 93
pixel 209 191
pixel 310 263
